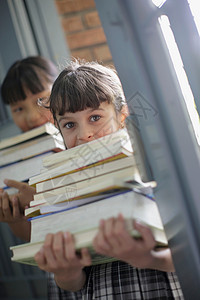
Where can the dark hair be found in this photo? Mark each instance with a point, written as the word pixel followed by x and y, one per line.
pixel 33 73
pixel 85 84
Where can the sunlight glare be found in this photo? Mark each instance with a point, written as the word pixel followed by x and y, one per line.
pixel 180 72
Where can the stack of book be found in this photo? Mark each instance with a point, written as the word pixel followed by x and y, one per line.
pixel 82 185
pixel 21 156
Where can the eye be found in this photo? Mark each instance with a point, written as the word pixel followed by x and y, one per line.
pixel 69 125
pixel 17 109
pixel 95 118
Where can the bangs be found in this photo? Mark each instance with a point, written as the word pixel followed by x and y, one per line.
pixel 76 93
pixel 32 74
pixel 16 89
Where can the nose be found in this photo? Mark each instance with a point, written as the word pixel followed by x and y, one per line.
pixel 85 134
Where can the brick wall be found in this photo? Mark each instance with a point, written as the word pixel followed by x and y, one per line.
pixel 82 27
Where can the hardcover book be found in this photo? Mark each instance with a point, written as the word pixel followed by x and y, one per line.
pixel 83 223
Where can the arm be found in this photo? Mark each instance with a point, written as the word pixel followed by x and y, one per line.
pixel 59 257
pixel 114 240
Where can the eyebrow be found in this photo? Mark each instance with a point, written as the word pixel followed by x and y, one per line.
pixel 89 111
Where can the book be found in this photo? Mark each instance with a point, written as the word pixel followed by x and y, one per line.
pixel 46 208
pixel 22 170
pixel 47 128
pixel 31 148
pixel 84 188
pixel 112 144
pixel 21 156
pixel 74 164
pixel 132 205
pixel 25 253
pixel 87 173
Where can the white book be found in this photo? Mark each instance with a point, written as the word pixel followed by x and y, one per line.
pixel 88 173
pixel 132 206
pixel 22 170
pixel 47 128
pixel 31 148
pixel 111 144
pixel 84 188
pixel 46 208
pixel 98 156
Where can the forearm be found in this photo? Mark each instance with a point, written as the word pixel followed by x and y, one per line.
pixel 21 229
pixel 162 261
pixel 73 285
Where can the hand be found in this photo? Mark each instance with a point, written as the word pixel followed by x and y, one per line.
pixel 9 209
pixel 58 255
pixel 114 240
pixel 25 192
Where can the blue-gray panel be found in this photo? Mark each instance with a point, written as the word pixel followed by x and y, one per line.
pixel 155 99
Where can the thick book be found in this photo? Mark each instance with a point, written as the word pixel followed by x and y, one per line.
pixel 31 148
pixel 87 173
pixel 92 186
pixel 85 159
pixel 132 205
pixel 22 170
pixel 47 128
pixel 111 144
pixel 46 208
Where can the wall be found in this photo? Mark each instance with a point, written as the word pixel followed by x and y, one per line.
pixel 83 31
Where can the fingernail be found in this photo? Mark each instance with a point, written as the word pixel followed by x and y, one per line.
pixel 120 216
pixel 139 222
pixel 66 235
pixel 102 222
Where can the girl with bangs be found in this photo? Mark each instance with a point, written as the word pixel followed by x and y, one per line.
pixel 87 102
pixel 26 81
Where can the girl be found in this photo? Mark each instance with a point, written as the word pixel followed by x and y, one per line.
pixel 26 81
pixel 87 102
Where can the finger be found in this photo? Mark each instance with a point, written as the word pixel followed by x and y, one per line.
pixel 100 243
pixel 15 206
pixel 6 205
pixel 85 257
pixel 110 232
pixel 13 183
pixel 146 234
pixel 70 252
pixel 58 247
pixel 48 251
pixel 120 231
pixel 40 259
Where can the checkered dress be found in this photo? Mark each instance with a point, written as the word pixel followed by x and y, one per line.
pixel 117 281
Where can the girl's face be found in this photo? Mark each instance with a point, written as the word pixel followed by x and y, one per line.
pixel 84 126
pixel 27 114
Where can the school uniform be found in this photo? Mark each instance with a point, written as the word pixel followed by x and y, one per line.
pixel 119 280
